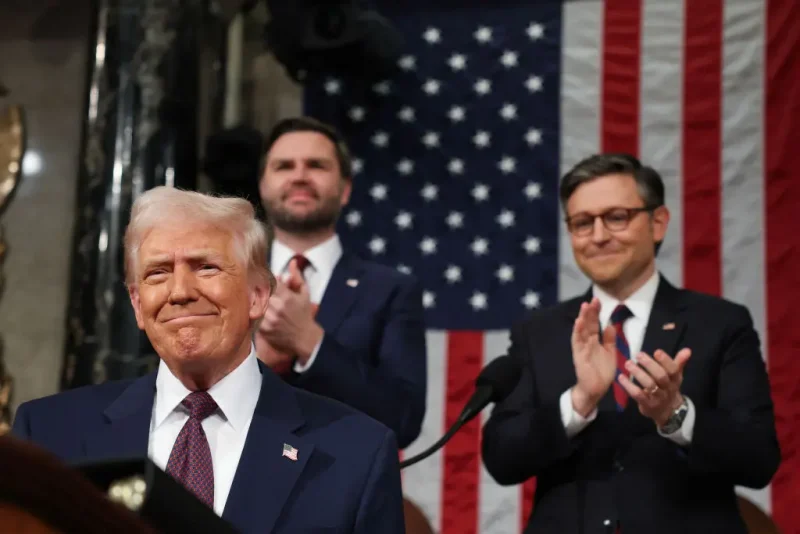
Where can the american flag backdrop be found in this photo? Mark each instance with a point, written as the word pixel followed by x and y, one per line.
pixel 458 159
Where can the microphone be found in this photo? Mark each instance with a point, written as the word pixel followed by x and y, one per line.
pixel 495 383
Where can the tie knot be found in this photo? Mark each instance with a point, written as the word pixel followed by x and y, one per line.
pixel 302 262
pixel 200 404
pixel 620 314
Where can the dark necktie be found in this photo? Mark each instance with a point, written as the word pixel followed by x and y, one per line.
pixel 302 263
pixel 618 317
pixel 190 460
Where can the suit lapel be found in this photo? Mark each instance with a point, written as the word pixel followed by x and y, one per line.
pixel 125 434
pixel 265 477
pixel 666 325
pixel 341 293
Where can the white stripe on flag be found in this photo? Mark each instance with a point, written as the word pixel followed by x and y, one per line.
pixel 422 483
pixel 499 506
pixel 743 247
pixel 582 39
pixel 660 117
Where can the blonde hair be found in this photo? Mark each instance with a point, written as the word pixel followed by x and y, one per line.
pixel 162 205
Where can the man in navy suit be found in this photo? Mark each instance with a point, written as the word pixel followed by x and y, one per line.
pixel 640 406
pixel 365 344
pixel 263 455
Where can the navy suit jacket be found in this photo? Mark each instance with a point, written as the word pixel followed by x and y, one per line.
pixel 618 468
pixel 346 478
pixel 373 356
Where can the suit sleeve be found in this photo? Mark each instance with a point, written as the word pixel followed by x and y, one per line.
pixel 736 439
pixel 523 436
pixel 381 508
pixel 21 427
pixel 389 386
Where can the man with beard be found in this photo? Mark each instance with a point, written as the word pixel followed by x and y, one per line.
pixel 337 325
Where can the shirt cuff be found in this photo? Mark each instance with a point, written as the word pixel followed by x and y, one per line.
pixel 303 367
pixel 572 420
pixel 683 436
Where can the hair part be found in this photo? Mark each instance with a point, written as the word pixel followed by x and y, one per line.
pixel 309 124
pixel 162 205
pixel 648 181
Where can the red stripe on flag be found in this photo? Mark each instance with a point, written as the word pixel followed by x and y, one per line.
pixel 528 492
pixel 622 40
pixel 702 147
pixel 460 490
pixel 782 131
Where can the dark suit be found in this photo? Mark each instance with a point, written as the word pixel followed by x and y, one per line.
pixel 346 478
pixel 619 468
pixel 373 355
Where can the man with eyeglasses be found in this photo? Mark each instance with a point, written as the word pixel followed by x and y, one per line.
pixel 641 406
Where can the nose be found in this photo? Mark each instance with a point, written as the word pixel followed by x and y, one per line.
pixel 600 233
pixel 182 288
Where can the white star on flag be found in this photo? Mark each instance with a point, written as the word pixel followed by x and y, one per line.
pixel 432 35
pixel 428 299
pixel 483 86
pixel 535 31
pixel 353 218
pixel 407 62
pixel 333 86
pixel 456 114
pixel 506 218
pixel 479 246
pixel 356 114
pixel 480 192
pixel 481 139
pixel 430 139
pixel 483 34
pixel 457 62
pixel 530 300
pixel 533 190
pixel 358 165
pixel 505 273
pixel 428 245
pixel 508 111
pixel 478 301
pixel 509 59
pixel 429 192
pixel 403 268
pixel 507 165
pixel 382 88
pixel 455 220
pixel 380 139
pixel 403 220
pixel 453 274
pixel 406 114
pixel 531 245
pixel 456 166
pixel 533 84
pixel 377 245
pixel 533 137
pixel 379 192
pixel 405 166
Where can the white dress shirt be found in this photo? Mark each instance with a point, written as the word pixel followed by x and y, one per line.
pixel 236 396
pixel 640 304
pixel 322 260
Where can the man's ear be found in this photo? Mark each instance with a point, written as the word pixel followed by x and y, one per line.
pixel 660 222
pixel 133 293
pixel 259 300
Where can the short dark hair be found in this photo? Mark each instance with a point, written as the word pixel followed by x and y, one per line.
pixel 648 180
pixel 309 124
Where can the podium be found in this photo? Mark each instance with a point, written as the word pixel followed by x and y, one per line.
pixel 40 494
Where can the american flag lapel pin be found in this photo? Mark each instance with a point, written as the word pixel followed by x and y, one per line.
pixel 352 282
pixel 669 326
pixel 290 452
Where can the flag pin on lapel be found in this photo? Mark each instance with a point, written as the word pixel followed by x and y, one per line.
pixel 290 452
pixel 352 282
pixel 669 326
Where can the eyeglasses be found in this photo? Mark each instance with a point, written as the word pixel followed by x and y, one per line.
pixel 615 220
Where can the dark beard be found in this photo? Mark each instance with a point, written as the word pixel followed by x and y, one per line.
pixel 322 218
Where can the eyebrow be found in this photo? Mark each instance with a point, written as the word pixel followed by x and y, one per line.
pixel 322 159
pixel 193 256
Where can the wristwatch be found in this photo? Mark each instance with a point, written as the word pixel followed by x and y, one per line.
pixel 676 419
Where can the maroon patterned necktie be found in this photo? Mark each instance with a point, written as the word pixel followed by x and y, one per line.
pixel 190 460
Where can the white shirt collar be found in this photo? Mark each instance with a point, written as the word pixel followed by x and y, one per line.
pixel 323 257
pixel 640 303
pixel 236 394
